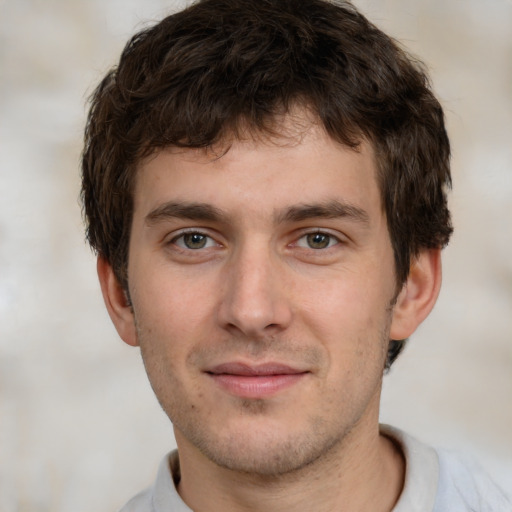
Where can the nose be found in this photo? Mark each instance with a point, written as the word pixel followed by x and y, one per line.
pixel 254 296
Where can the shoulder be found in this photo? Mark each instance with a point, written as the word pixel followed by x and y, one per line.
pixel 463 483
pixel 442 480
pixel 162 496
pixel 139 503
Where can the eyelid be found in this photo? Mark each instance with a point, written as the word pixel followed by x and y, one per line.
pixel 176 235
pixel 337 236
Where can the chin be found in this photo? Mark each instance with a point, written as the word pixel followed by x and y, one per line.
pixel 266 451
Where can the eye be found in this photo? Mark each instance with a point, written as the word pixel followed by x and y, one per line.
pixel 194 240
pixel 317 241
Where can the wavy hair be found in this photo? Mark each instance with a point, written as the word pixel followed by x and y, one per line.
pixel 218 67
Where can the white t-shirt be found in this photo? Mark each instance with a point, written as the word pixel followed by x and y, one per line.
pixel 435 481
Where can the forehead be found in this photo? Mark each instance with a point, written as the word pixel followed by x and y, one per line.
pixel 296 163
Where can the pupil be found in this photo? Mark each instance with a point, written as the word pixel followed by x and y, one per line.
pixel 195 241
pixel 318 241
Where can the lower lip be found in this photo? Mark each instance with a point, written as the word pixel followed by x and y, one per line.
pixel 256 386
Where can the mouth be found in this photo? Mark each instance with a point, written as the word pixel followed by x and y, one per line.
pixel 255 381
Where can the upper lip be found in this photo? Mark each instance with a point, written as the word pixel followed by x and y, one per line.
pixel 256 370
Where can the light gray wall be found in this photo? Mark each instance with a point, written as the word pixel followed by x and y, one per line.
pixel 79 427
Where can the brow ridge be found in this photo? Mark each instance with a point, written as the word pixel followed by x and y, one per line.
pixel 206 212
pixel 327 210
pixel 184 210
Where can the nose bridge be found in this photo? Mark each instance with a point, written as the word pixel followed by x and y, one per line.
pixel 254 301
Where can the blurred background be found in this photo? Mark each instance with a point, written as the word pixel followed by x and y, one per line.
pixel 80 429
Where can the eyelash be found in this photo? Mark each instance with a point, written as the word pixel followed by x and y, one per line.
pixel 209 241
pixel 193 232
pixel 332 240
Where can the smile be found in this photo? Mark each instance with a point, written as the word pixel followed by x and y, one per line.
pixel 255 381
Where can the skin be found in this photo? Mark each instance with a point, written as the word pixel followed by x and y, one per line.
pixel 275 254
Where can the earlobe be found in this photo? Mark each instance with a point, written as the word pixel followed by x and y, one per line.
pixel 117 303
pixel 418 295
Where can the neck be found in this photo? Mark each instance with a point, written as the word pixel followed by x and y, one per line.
pixel 362 473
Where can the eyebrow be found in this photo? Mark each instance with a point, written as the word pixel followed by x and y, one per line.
pixel 327 210
pixel 184 210
pixel 205 212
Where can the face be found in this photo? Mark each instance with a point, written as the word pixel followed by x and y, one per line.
pixel 261 283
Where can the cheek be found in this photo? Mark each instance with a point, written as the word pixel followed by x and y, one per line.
pixel 171 304
pixel 165 343
pixel 347 302
pixel 174 316
pixel 352 319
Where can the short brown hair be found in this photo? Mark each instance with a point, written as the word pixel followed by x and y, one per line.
pixel 202 74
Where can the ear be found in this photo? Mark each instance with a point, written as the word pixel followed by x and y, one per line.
pixel 418 295
pixel 118 305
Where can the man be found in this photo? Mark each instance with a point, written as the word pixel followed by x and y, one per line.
pixel 265 186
